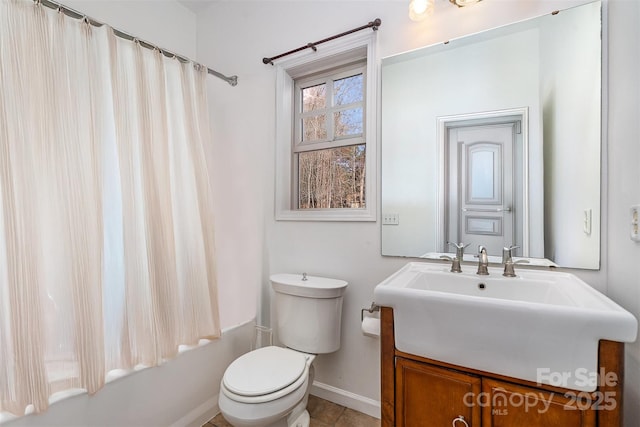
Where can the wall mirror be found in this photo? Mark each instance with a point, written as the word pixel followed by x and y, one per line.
pixel 494 139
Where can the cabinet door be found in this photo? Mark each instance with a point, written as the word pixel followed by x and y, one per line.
pixel 427 396
pixel 509 405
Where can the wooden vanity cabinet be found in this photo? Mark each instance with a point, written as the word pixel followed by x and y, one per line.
pixel 419 392
pixel 432 396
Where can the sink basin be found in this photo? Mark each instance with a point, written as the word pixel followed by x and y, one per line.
pixel 541 326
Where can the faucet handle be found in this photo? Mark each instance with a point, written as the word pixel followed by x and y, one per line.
pixel 509 267
pixel 460 247
pixel 507 253
pixel 455 263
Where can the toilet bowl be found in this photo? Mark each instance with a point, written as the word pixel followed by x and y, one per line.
pixel 269 387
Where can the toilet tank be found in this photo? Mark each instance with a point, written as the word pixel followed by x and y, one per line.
pixel 308 312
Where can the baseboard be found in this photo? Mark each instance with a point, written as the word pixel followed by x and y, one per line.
pixel 346 398
pixel 200 415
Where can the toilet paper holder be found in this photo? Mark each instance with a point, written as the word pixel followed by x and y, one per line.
pixel 374 307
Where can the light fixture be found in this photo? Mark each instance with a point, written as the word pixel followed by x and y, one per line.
pixel 462 3
pixel 420 9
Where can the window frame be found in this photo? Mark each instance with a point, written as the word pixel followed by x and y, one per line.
pixel 342 54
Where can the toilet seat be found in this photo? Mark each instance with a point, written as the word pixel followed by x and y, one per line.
pixel 265 374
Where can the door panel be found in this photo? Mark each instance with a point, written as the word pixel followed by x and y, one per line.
pixel 481 186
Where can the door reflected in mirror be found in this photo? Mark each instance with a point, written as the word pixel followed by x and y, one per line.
pixel 486 187
pixel 494 140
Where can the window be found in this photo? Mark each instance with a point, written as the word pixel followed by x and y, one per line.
pixel 329 145
pixel 326 134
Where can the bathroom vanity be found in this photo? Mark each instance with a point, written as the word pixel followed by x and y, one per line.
pixel 420 392
pixel 541 349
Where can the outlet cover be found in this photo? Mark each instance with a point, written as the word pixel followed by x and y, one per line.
pixel 635 223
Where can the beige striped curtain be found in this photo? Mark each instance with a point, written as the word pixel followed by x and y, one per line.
pixel 106 226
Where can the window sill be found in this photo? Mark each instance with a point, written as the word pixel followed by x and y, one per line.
pixel 351 215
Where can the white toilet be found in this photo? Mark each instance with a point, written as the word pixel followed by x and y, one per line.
pixel 269 387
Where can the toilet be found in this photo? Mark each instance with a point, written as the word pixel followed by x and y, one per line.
pixel 269 387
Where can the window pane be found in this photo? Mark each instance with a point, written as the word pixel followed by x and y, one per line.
pixel 314 98
pixel 314 128
pixel 332 178
pixel 348 122
pixel 348 90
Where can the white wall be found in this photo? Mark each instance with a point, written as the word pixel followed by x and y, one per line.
pixel 623 278
pixel 165 23
pixel 235 36
pixel 184 390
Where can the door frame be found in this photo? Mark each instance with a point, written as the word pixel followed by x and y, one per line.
pixel 442 126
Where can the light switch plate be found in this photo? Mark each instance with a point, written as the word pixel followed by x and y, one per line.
pixel 391 219
pixel 635 223
pixel 586 221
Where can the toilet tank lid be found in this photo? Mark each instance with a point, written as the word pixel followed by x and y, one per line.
pixel 313 287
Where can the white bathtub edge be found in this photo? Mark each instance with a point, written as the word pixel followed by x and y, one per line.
pixel 199 415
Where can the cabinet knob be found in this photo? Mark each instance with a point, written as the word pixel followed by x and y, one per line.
pixel 459 419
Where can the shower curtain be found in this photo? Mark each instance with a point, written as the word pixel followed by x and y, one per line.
pixel 106 226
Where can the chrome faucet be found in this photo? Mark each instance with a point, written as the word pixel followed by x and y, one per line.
pixel 483 261
pixel 509 263
pixel 456 260
pixel 455 263
pixel 507 254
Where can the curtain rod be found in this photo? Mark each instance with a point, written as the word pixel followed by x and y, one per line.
pixel 72 13
pixel 373 25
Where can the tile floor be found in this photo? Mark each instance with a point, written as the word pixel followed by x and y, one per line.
pixel 323 414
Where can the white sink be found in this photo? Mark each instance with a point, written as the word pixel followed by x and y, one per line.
pixel 541 326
